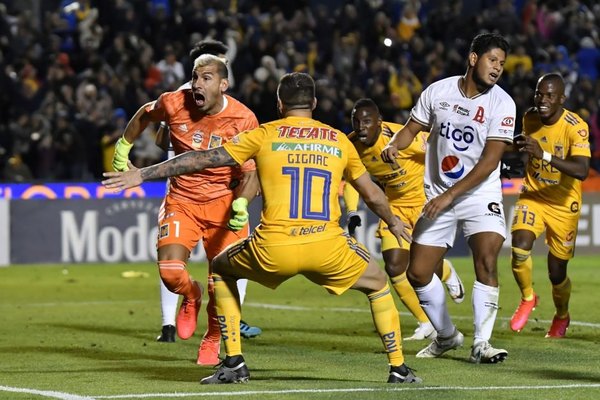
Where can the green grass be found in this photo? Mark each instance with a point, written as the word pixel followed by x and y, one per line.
pixel 87 333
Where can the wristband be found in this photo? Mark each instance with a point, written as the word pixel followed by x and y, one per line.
pixel 546 156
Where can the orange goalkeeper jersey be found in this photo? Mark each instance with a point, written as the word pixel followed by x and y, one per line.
pixel 192 130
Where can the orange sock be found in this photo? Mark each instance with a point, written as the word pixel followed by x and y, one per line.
pixel 177 279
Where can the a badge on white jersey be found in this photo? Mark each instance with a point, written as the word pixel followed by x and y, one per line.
pixel 453 167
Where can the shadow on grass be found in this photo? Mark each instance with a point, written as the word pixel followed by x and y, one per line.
pixel 108 329
pixel 558 375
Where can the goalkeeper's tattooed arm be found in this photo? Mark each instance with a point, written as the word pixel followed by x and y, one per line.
pixel 185 163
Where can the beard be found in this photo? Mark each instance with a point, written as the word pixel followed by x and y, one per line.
pixel 480 83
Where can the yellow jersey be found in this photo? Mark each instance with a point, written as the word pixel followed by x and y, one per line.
pixel 569 136
pixel 402 181
pixel 300 164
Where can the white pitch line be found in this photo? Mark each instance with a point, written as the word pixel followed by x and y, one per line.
pixel 46 393
pixel 270 307
pixel 68 396
pixel 402 388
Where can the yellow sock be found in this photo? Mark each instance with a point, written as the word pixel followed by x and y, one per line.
pixel 228 315
pixel 408 297
pixel 522 267
pixel 387 323
pixel 561 294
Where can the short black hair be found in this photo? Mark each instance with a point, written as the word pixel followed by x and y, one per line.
pixel 485 42
pixel 208 46
pixel 365 103
pixel 296 90
pixel 556 78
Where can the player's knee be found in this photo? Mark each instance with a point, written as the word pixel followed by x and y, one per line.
pixel 415 278
pixel 174 274
pixel 520 255
pixel 394 269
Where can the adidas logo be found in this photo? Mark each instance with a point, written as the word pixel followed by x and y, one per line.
pixel 183 128
pixel 544 140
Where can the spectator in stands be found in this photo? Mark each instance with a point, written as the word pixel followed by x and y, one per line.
pixel 117 46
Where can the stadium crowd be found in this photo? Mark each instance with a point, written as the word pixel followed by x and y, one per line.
pixel 73 73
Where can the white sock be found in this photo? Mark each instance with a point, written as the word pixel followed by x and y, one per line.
pixel 168 304
pixel 485 308
pixel 241 285
pixel 433 301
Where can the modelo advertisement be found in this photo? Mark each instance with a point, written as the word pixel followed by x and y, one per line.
pixel 124 229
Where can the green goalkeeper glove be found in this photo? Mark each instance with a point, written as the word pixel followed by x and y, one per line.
pixel 239 214
pixel 121 156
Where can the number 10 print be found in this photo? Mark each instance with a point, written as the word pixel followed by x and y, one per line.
pixel 312 180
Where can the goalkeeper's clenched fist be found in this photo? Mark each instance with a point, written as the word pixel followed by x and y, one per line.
pixel 121 156
pixel 239 214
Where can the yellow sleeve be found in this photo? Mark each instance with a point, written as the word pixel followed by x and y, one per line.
pixel 579 136
pixel 350 198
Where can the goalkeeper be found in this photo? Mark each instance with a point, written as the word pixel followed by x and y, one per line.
pixel 210 206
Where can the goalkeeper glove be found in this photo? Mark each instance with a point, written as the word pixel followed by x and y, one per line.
pixel 121 156
pixel 239 214
pixel 353 222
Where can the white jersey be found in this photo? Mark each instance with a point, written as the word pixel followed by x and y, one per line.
pixel 460 127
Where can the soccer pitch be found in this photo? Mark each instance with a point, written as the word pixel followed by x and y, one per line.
pixel 85 332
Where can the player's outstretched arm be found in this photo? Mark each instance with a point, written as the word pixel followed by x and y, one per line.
pixel 376 200
pixel 189 162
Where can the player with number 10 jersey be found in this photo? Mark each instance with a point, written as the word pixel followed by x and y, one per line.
pixel 296 160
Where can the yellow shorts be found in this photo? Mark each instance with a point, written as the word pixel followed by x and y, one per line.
pixel 335 263
pixel 408 215
pixel 560 224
